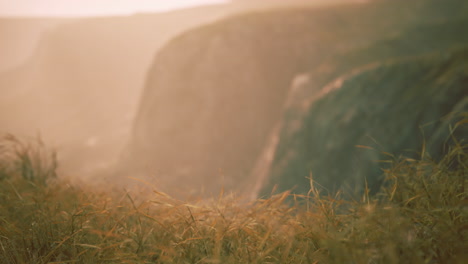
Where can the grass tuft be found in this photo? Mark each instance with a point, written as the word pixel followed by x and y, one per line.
pixel 420 216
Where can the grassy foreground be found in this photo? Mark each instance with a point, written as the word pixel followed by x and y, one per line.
pixel 421 216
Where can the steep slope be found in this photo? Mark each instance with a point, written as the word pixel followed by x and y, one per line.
pixel 215 94
pixel 80 88
pixel 390 107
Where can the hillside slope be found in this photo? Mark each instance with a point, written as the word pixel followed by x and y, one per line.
pixel 80 88
pixel 216 93
pixel 393 107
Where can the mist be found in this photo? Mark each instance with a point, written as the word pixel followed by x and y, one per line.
pixel 218 96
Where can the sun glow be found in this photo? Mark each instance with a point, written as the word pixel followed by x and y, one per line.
pixel 94 7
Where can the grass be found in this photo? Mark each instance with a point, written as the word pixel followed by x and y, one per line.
pixel 420 216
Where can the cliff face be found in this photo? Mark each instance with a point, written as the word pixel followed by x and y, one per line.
pixel 376 113
pixel 80 86
pixel 216 96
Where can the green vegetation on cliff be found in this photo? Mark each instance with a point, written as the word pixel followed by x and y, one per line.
pixel 215 94
pixel 377 113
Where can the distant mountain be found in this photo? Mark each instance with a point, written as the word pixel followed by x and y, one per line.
pixel 218 97
pixel 81 86
pixel 19 38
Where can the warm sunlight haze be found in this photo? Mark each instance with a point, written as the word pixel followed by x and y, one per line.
pixel 234 131
pixel 94 7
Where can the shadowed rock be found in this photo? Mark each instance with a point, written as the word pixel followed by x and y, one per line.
pixel 395 108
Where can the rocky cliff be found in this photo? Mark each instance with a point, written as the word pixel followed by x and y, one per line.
pixel 216 96
pixel 79 86
pixel 348 132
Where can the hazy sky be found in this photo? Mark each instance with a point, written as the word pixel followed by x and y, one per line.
pixel 92 7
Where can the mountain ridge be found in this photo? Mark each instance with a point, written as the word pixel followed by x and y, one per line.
pixel 242 67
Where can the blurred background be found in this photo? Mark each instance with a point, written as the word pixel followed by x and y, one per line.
pixel 195 95
pixel 72 72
